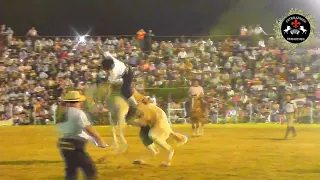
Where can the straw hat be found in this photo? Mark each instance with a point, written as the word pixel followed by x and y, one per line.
pixel 74 96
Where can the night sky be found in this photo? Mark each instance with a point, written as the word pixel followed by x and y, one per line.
pixel 125 17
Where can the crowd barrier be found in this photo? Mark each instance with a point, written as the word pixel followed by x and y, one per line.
pixel 308 112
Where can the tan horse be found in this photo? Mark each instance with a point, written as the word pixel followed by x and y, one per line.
pixel 198 115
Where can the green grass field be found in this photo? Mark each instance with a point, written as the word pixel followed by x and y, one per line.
pixel 225 152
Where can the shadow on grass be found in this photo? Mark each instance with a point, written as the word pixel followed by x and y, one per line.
pixel 271 139
pixel 28 162
pixel 304 171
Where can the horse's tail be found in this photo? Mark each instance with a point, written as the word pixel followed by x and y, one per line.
pixel 181 139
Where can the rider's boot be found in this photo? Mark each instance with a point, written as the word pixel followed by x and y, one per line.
pixel 132 108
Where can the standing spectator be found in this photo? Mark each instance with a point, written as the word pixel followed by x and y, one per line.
pixel 2 110
pixel 2 28
pixel 33 34
pixel 54 108
pixel 8 110
pixel 258 30
pixel 150 36
pixel 243 31
pixel 140 36
pixel 9 33
pixel 290 109
pixel 3 42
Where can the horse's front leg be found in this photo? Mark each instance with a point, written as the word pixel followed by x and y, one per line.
pixel 115 138
pixel 198 128
pixel 121 114
pixel 122 138
pixel 201 131
pixel 194 130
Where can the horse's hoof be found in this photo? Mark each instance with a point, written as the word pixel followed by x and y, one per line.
pixel 156 152
pixel 183 142
pixel 165 164
pixel 116 150
pixel 101 160
pixel 125 149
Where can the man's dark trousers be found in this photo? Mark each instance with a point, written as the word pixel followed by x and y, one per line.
pixel 74 155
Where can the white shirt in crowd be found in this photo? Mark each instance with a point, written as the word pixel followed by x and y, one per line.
pixel 261 43
pixel 32 32
pixel 1 107
pixel 44 112
pixel 118 70
pixel 43 75
pixel 54 108
pixel 183 54
pixel 196 91
pixel 18 109
pixel 258 30
pixel 84 67
pixel 290 107
pixel 9 32
pixel 154 100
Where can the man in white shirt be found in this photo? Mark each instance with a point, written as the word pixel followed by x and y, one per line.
pixel 9 33
pixel 182 54
pixel 258 30
pixel 54 108
pixel 194 91
pixel 290 110
pixel 18 109
pixel 120 73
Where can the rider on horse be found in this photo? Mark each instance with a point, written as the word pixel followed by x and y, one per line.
pixel 118 72
pixel 195 91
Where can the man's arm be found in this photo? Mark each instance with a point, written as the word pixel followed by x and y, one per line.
pixel 201 92
pixel 190 92
pixel 295 109
pixel 85 123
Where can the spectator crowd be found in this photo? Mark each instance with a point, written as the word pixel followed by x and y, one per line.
pixel 236 71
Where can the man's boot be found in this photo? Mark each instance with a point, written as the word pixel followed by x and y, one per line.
pixel 132 109
pixel 293 129
pixel 287 132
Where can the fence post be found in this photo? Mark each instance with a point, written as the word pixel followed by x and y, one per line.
pixel 250 112
pixel 311 112
pixel 237 112
pixel 184 111
pixel 169 109
pixel 217 112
